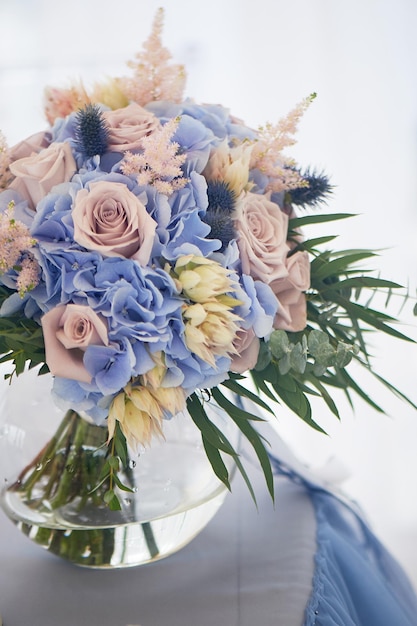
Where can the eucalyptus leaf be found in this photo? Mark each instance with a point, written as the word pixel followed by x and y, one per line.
pixel 298 358
pixel 284 365
pixel 279 344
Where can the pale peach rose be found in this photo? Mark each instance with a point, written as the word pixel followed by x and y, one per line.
pixel 61 102
pixel 37 174
pixel 29 146
pixel 292 310
pixel 67 331
pixel 246 345
pixel 112 220
pixel 262 233
pixel 128 126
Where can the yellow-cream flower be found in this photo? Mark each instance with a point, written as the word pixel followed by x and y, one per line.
pixel 201 279
pixel 210 324
pixel 230 165
pixel 140 411
pixel 154 377
pixel 210 329
pixel 110 94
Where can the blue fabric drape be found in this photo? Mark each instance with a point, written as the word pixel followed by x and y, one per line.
pixel 356 581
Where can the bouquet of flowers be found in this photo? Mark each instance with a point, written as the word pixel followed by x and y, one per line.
pixel 152 259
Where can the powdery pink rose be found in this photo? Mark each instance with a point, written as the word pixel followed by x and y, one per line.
pixel 68 330
pixel 262 232
pixel 292 310
pixel 29 146
pixel 247 347
pixel 112 220
pixel 128 126
pixel 38 173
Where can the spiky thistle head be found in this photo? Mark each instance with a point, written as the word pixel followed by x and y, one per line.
pixel 221 204
pixel 91 131
pixel 316 192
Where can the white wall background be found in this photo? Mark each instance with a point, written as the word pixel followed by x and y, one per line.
pixel 260 58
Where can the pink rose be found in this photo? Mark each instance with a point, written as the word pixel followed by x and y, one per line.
pixel 247 347
pixel 292 312
pixel 29 146
pixel 37 174
pixel 68 330
pixel 128 126
pixel 262 233
pixel 112 220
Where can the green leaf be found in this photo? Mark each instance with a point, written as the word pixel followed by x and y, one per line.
pixel 242 470
pixel 346 382
pixel 320 347
pixel 298 222
pixel 325 395
pixel 344 355
pixel 242 419
pixel 242 391
pixel 112 500
pixel 371 317
pixel 337 266
pixel 291 393
pixel 114 463
pixel 216 462
pixel 233 410
pixel 311 244
pixel 207 428
pixel 257 443
pixel 279 344
pixel 284 365
pixel 359 282
pixel 298 358
pixel 262 386
pixel 120 445
pixel 121 485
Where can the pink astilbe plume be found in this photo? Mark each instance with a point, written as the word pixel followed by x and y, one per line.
pixel 15 245
pixel 5 175
pixel 272 140
pixel 155 78
pixel 158 164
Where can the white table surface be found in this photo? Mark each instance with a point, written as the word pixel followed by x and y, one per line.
pixel 246 568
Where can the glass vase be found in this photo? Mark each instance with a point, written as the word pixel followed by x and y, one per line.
pixel 50 466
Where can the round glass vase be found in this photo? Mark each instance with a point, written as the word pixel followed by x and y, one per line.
pixel 51 464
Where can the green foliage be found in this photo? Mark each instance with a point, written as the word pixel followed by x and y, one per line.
pixel 313 362
pixel 116 461
pixel 21 340
pixel 216 444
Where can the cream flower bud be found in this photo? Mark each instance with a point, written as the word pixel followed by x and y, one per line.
pixel 202 279
pixel 140 411
pixel 237 174
pixel 210 330
pixel 231 165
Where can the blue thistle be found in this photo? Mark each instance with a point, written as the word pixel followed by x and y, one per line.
pixel 221 203
pixel 220 196
pixel 91 131
pixel 318 190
